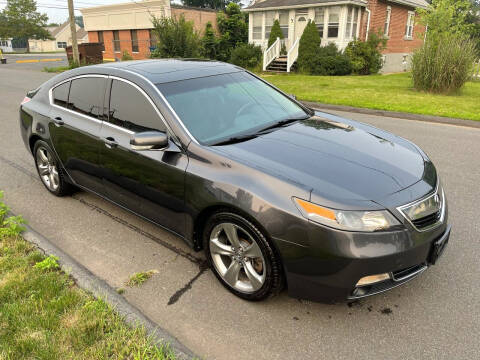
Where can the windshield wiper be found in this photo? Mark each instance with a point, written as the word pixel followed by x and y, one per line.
pixel 282 123
pixel 235 139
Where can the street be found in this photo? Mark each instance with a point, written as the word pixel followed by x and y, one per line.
pixel 436 316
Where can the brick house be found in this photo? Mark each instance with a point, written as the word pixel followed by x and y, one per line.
pixel 128 26
pixel 338 21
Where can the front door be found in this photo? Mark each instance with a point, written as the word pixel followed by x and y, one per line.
pixel 149 182
pixel 75 128
pixel 300 24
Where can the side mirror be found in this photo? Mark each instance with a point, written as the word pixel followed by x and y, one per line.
pixel 293 96
pixel 149 140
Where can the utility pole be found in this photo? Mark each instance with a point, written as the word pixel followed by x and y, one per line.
pixel 73 30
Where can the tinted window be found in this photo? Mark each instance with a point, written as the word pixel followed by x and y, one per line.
pixel 218 107
pixel 86 96
pixel 60 94
pixel 130 109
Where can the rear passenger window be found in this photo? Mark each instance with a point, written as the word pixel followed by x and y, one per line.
pixel 130 109
pixel 60 94
pixel 87 96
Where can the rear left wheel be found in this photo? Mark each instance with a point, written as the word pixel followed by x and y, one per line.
pixel 49 170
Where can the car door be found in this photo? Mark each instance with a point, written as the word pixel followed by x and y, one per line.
pixel 148 182
pixel 76 114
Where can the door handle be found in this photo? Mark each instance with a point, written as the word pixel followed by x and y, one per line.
pixel 58 121
pixel 110 142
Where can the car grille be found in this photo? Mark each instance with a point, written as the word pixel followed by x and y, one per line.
pixel 427 221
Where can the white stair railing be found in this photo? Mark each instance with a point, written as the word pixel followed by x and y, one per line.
pixel 271 53
pixel 476 70
pixel 292 54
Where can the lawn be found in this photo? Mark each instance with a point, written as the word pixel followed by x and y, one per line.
pixel 44 315
pixel 392 92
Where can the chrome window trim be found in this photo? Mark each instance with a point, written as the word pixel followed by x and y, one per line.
pixel 428 196
pixel 50 95
pixel 164 100
pixel 167 127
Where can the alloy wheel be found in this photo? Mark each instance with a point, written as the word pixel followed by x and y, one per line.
pixel 47 169
pixel 237 257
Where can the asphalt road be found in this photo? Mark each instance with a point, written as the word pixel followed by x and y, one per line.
pixel 436 316
pixel 34 62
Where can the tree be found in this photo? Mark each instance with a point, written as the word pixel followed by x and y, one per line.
pixel 176 38
pixel 24 21
pixel 79 21
pixel 210 4
pixel 209 42
pixel 307 48
pixel 448 16
pixel 233 30
pixel 275 32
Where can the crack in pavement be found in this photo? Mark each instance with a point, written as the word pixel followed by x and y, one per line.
pixel 202 264
pixel 188 286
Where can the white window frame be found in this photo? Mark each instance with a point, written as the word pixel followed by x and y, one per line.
pixel 386 29
pixel 60 46
pixel 257 30
pixel 322 25
pixel 410 25
pixel 329 22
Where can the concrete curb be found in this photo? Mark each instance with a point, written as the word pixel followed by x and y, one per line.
pixel 100 289
pixel 395 114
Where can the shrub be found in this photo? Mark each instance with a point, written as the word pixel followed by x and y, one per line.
pixel 365 56
pixel 126 56
pixel 443 64
pixel 308 47
pixel 247 56
pixel 176 38
pixel 209 42
pixel 233 31
pixel 330 61
pixel 275 32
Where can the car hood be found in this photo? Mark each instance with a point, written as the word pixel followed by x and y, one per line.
pixel 335 158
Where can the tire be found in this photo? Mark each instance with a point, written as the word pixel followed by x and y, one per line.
pixel 49 170
pixel 250 269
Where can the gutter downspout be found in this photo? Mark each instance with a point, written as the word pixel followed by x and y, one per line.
pixel 368 22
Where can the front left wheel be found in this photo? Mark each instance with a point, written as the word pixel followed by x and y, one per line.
pixel 49 170
pixel 242 257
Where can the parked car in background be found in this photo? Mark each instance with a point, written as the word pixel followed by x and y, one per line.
pixel 275 193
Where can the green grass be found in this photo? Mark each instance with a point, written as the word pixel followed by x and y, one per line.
pixel 138 279
pixel 56 69
pixel 44 315
pixel 392 92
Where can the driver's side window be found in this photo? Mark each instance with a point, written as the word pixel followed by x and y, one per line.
pixel 130 109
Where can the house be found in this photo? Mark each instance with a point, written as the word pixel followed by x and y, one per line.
pixel 128 26
pixel 62 38
pixel 6 45
pixel 338 21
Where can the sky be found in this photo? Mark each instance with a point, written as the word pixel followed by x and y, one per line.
pixel 57 10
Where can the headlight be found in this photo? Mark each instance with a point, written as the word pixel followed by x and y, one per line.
pixel 347 219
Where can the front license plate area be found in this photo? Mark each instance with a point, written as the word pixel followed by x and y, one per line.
pixel 438 247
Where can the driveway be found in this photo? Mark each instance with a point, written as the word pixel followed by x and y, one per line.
pixel 436 316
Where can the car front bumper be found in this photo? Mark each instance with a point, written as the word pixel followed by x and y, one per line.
pixel 329 269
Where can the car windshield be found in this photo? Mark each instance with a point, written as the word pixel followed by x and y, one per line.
pixel 221 107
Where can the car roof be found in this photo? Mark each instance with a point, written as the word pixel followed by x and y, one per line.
pixel 168 70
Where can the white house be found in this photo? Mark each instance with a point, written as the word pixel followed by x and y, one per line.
pixel 339 22
pixel 6 45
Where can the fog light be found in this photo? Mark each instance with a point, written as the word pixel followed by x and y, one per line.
pixel 372 279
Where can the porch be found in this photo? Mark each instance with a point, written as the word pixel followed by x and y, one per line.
pixel 336 21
